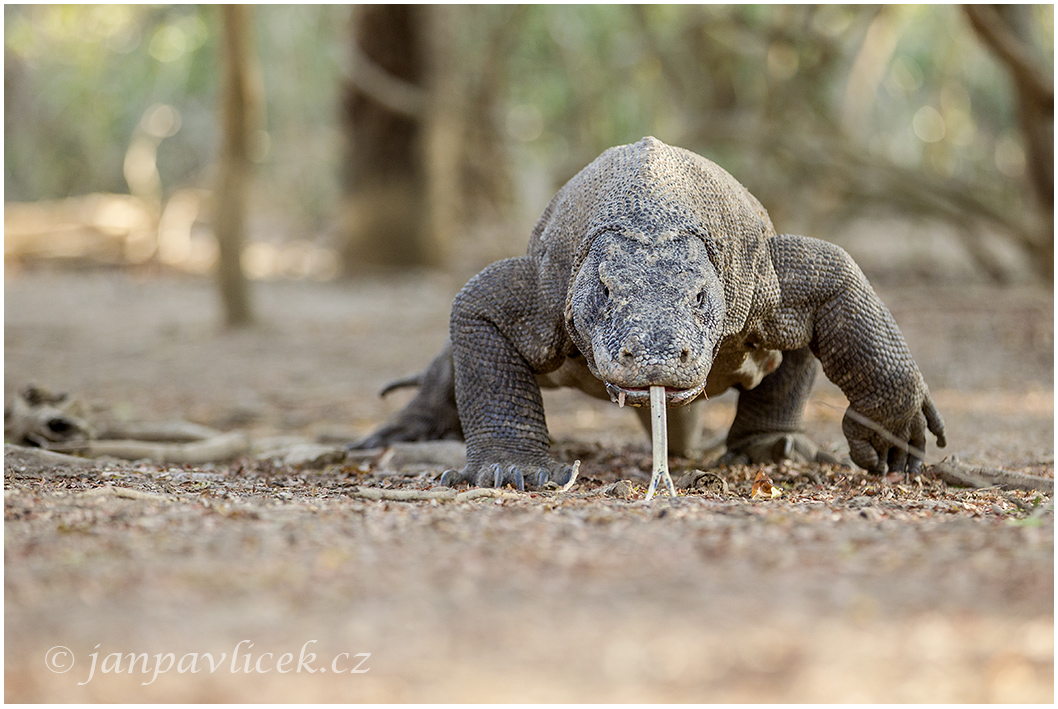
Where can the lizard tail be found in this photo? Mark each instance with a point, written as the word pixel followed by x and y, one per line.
pixel 414 380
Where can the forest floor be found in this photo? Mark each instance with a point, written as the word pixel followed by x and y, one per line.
pixel 258 581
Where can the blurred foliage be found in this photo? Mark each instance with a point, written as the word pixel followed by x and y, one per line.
pixel 764 89
pixel 80 79
pixel 812 107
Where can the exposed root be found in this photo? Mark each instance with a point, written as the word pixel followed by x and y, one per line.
pixel 160 432
pixel 223 447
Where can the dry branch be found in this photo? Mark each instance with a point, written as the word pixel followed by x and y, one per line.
pixel 953 472
pixel 25 458
pixel 995 33
pixel 42 418
pixel 397 95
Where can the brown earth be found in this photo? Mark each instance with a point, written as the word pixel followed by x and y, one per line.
pixel 845 588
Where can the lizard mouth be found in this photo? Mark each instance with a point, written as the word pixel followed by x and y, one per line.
pixel 640 396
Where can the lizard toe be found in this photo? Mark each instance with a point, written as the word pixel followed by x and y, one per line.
pixel 533 477
pixel 505 475
pixel 520 476
pixel 451 478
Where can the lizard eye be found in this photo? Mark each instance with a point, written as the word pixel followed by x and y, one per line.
pixel 700 298
pixel 605 292
pixel 751 345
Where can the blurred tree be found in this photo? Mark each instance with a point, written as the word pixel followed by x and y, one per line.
pixel 384 105
pixel 83 78
pixel 80 80
pixel 1007 31
pixel 830 109
pixel 829 113
pixel 467 159
pixel 240 119
pixel 425 153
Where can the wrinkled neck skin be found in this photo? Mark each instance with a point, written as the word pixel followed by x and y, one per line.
pixel 647 310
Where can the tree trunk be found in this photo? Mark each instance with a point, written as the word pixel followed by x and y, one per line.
pixel 385 217
pixel 240 109
pixel 426 158
pixel 444 134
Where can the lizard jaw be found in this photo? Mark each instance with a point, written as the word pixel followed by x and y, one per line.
pixel 640 396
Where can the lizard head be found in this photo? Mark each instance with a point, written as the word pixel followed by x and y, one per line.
pixel 647 310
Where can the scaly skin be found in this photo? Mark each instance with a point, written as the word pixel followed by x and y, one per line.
pixel 653 266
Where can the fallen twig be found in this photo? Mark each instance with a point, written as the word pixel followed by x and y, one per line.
pixel 551 486
pixel 572 478
pixel 127 493
pixel 398 495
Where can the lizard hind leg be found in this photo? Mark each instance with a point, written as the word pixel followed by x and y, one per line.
pixel 430 416
pixel 684 427
pixel 768 425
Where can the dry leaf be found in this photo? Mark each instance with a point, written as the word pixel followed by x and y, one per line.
pixel 763 488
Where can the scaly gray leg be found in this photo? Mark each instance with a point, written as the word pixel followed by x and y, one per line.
pixel 430 416
pixel 496 388
pixel 768 426
pixel 826 303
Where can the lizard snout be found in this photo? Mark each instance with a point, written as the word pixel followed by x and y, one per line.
pixel 631 356
pixel 644 359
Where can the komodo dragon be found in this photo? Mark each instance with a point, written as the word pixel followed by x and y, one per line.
pixel 654 266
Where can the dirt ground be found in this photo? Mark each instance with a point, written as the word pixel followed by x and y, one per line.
pixel 255 581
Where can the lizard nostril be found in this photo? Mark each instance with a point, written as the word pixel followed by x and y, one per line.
pixel 685 355
pixel 626 355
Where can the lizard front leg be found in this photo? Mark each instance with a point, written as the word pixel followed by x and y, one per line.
pixel 827 304
pixel 494 326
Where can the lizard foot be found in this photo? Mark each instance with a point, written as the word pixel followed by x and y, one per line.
pixel 777 447
pixel 518 475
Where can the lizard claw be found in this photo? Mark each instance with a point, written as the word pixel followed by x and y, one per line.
pixel 519 475
pixel 450 478
pixel 510 475
pixel 894 447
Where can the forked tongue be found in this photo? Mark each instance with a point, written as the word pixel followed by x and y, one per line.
pixel 660 442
